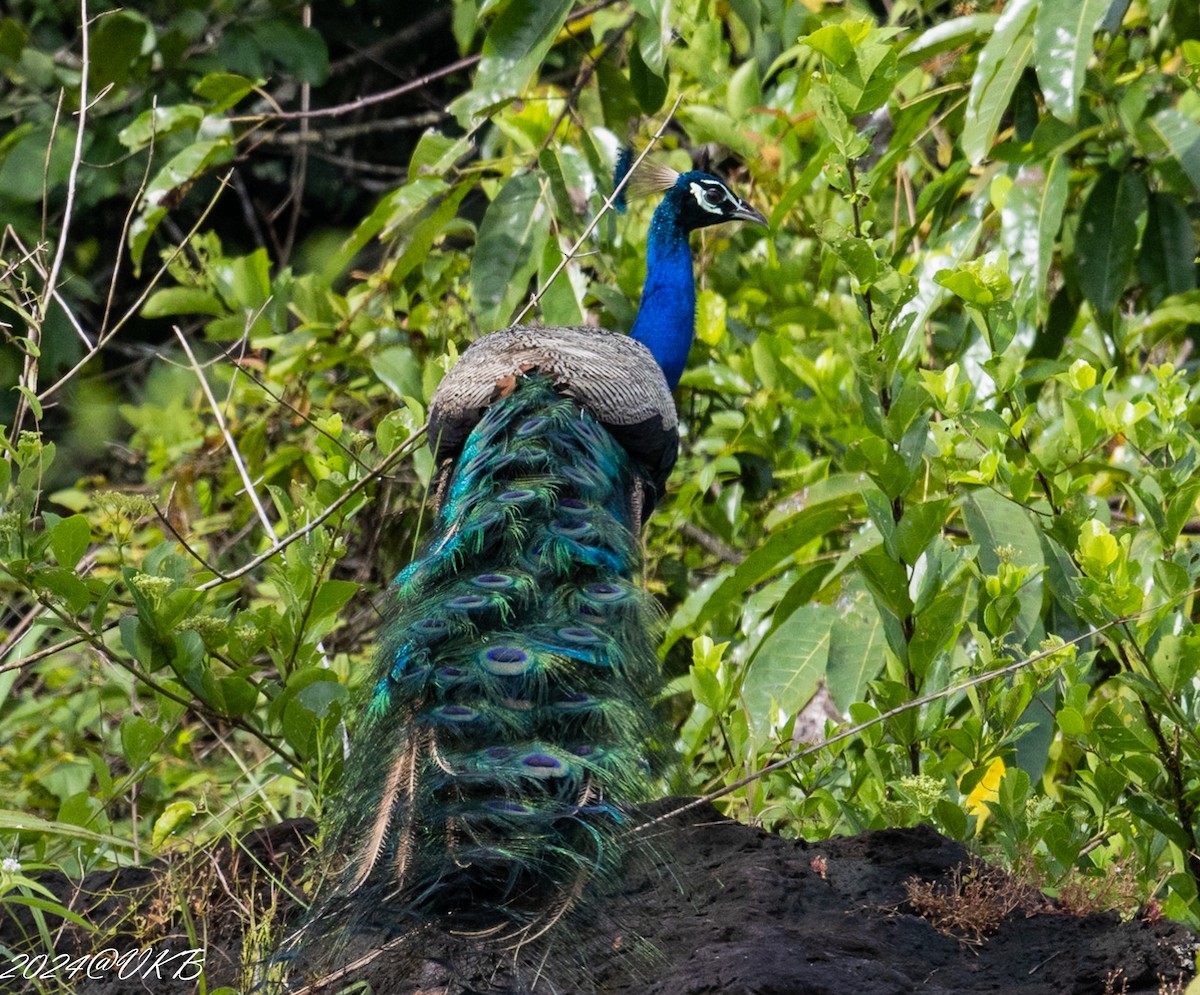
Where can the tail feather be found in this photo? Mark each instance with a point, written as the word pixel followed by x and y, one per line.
pixel 508 721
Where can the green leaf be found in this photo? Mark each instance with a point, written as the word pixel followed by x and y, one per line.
pixel 299 49
pixel 435 154
pixel 69 540
pixel 655 32
pixel 399 370
pixel 788 667
pixel 1030 220
pixel 996 524
pixel 1153 814
pixel 649 88
pixel 1166 262
pixel 1063 38
pixel 182 300
pixel 949 34
pixel 222 90
pixel 1181 136
pixel 922 521
pixel 857 652
pixel 513 50
pixel 559 303
pixel 116 43
pixel 331 596
pixel 395 210
pixel 173 817
pixel 799 531
pixel 157 123
pixel 139 739
pixel 63 583
pixel 833 42
pixel 994 81
pixel 238 694
pixel 1110 227
pixel 511 237
pixel 1175 661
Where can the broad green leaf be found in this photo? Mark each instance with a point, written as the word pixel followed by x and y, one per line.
pixel 117 42
pixel 1063 37
pixel 182 300
pixel 1110 227
pixel 948 34
pixel 222 90
pixel 397 208
pixel 400 371
pixel 1167 261
pixel 559 302
pixel 788 667
pixel 435 153
pixel 857 653
pixel 1030 220
pixel 654 34
pixel 649 88
pixel 1181 136
pixel 1001 63
pixel 516 43
pixel 238 694
pixel 418 233
pixel 511 237
pixel 139 739
pixel 331 596
pixel 157 123
pixel 833 42
pixel 1000 527
pixel 69 540
pixel 301 50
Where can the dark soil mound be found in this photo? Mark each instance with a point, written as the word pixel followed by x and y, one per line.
pixel 707 905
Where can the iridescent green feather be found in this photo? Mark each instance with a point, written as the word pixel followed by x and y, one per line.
pixel 508 724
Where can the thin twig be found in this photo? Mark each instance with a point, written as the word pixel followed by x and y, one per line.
pixel 229 440
pixel 76 158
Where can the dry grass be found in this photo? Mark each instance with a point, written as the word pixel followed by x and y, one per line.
pixel 974 903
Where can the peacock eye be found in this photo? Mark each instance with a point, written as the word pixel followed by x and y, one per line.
pixel 714 195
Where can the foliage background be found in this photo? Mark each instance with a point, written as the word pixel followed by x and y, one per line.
pixel 940 453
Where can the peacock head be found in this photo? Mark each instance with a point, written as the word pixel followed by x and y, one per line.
pixel 699 199
pixel 666 318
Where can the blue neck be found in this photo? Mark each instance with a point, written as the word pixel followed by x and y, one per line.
pixel 666 319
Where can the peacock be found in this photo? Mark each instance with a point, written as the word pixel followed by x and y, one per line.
pixel 509 722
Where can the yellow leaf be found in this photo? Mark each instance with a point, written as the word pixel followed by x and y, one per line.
pixel 987 790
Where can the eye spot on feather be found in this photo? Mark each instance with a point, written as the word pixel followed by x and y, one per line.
pixel 577 702
pixel 602 592
pixel 468 602
pixel 580 635
pixel 455 713
pixel 505 661
pixel 493 582
pixel 543 765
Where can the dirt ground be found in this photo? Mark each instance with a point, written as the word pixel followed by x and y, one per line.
pixel 706 906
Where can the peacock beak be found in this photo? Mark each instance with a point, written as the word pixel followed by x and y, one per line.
pixel 745 212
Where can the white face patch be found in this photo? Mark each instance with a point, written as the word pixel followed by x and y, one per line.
pixel 702 192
